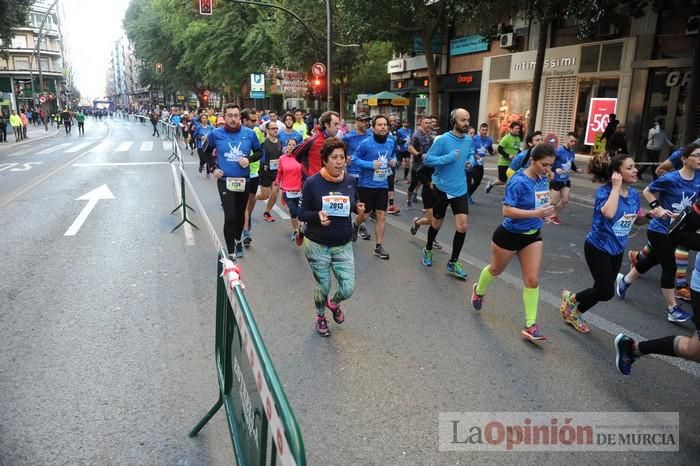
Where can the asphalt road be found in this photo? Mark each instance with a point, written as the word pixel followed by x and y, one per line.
pixel 107 335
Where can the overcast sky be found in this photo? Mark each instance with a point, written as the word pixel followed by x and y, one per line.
pixel 90 28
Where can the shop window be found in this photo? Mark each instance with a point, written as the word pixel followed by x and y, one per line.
pixel 611 57
pixel 589 59
pixel 500 67
pixel 507 103
pixel 587 89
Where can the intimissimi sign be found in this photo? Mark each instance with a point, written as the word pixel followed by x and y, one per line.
pixel 551 63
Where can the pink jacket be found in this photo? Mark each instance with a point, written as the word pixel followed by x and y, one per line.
pixel 289 174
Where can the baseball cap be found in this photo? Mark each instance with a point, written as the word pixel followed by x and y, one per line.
pixel 362 116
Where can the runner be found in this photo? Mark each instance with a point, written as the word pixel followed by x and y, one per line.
pixel 80 118
pixel 525 204
pixel 448 155
pixel 508 146
pixel 420 143
pixel 154 121
pixel 200 137
pixel 522 160
pixel 561 182
pixel 483 146
pixel 405 134
pixel 616 210
pixel 375 156
pixel 299 126
pixel 353 139
pixel 249 119
pixel 234 144
pixel 289 181
pixel 667 196
pixel 272 150
pixel 287 132
pixel 393 134
pixel 309 152
pixel 66 118
pixel 328 197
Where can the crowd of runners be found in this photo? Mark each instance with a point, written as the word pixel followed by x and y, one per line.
pixel 334 179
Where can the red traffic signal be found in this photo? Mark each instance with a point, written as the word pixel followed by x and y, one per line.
pixel 317 82
pixel 205 7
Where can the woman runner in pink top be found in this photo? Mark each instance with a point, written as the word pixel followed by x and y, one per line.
pixel 289 181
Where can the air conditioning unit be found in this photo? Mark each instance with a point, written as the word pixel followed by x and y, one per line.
pixel 693 25
pixel 507 40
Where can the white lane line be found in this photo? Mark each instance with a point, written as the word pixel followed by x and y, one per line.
pixel 78 148
pixel 54 148
pixel 125 164
pixel 189 234
pixel 284 215
pixel 593 319
pixel 22 152
pixel 124 146
pixel 146 146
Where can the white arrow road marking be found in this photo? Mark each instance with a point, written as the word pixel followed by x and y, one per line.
pixel 54 148
pixel 25 166
pixel 92 197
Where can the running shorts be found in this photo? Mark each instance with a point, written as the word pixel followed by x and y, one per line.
pixel 514 241
pixel 374 198
pixel 460 204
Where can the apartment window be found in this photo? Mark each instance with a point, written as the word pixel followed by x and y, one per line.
pixel 21 63
pixel 45 65
pixel 611 57
pixel 3 64
pixel 589 59
pixel 19 42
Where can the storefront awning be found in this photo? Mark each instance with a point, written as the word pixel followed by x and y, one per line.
pixel 387 98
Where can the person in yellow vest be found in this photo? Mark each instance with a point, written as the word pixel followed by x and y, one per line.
pixel 299 124
pixel 16 123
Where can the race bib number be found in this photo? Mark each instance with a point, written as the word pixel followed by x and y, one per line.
pixel 293 194
pixel 381 174
pixel 541 199
pixel 274 164
pixel 336 206
pixel 623 226
pixel 237 185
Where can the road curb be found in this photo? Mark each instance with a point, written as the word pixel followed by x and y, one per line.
pixel 34 138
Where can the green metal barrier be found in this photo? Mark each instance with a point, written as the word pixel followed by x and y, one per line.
pixel 261 423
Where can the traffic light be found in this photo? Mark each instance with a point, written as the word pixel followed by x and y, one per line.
pixel 317 85
pixel 205 7
pixel 159 68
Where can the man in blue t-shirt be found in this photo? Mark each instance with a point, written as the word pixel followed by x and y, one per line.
pixel 405 134
pixel 560 185
pixel 352 140
pixel 483 146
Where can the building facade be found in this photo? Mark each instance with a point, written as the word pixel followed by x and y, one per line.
pixel 123 85
pixel 33 73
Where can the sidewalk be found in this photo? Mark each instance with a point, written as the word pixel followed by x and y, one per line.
pixel 582 187
pixel 34 133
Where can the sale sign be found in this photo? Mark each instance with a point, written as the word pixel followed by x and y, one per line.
pixel 598 117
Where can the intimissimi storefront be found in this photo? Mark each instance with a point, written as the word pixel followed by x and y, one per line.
pixel 571 76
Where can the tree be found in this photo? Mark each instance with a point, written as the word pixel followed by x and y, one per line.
pixel 13 14
pixel 369 74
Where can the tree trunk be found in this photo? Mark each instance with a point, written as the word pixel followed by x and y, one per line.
pixel 537 78
pixel 427 37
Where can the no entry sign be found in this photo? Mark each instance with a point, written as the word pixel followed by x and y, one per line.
pixel 598 116
pixel 318 69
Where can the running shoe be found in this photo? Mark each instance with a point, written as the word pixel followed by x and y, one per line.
pixel 355 228
pixel 428 257
pixel 555 220
pixel 268 217
pixel 677 314
pixel 477 299
pixel 575 319
pixel 239 250
pixel 299 238
pixel 246 238
pixel 633 257
pixel 393 210
pixel 294 236
pixel 338 315
pixel 381 253
pixel 409 204
pixel 322 326
pixel 683 293
pixel 363 233
pixel 621 286
pixel 566 307
pixel 624 353
pixel 414 226
pixel 489 186
pixel 436 245
pixel 533 333
pixel 455 269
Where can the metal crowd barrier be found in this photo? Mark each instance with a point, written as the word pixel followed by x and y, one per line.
pixel 261 423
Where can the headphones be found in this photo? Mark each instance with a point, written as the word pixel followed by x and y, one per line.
pixel 452 117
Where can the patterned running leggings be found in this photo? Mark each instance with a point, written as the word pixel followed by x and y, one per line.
pixel 324 259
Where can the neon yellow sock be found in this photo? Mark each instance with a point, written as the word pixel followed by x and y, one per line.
pixel 531 297
pixel 485 280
